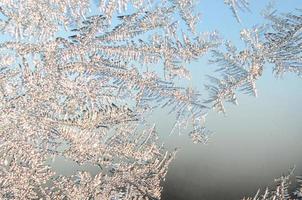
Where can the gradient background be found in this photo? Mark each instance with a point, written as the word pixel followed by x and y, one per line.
pixel 257 141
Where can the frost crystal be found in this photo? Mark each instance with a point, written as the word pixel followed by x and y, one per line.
pixel 278 43
pixel 236 5
pixel 77 84
pixel 79 78
pixel 281 190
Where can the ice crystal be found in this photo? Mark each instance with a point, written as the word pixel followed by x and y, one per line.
pixel 281 190
pixel 73 84
pixel 284 42
pixel 236 5
pixel 278 43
